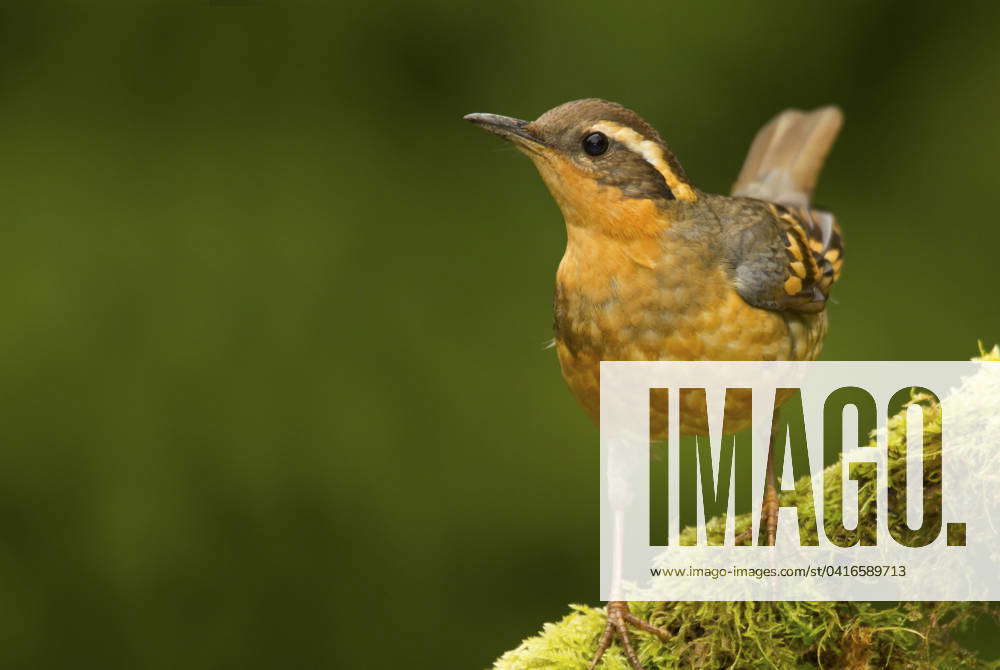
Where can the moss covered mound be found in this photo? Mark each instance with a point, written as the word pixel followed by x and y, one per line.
pixel 777 635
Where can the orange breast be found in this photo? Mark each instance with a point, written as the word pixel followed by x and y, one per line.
pixel 634 300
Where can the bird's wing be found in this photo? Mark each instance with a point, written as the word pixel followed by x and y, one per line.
pixel 782 253
pixel 782 258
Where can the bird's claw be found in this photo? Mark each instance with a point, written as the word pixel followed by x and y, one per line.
pixel 619 619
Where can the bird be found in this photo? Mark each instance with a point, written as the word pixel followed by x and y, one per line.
pixel 657 270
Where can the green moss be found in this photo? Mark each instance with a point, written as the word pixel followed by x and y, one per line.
pixel 778 635
pixel 833 635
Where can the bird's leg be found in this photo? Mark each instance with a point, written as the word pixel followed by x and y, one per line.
pixel 619 619
pixel 769 510
pixel 619 615
pixel 769 506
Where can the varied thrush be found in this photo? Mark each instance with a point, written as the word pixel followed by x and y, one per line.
pixel 655 269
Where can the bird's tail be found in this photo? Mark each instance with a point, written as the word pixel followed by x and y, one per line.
pixel 787 155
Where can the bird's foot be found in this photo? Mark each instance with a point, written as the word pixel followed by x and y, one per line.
pixel 619 620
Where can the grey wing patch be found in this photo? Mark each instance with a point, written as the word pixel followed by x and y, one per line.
pixel 785 260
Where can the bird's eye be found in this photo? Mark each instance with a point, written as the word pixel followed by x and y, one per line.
pixel 595 144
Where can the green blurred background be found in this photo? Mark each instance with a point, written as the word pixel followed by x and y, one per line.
pixel 273 385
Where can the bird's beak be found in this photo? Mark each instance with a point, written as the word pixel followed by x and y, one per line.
pixel 514 130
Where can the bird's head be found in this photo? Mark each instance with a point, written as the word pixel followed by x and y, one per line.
pixel 596 156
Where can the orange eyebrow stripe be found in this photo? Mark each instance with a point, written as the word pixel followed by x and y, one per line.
pixel 652 153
